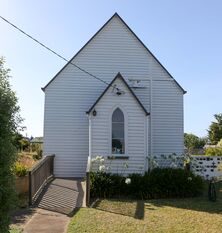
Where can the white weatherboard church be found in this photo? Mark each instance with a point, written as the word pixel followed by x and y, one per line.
pixel 136 112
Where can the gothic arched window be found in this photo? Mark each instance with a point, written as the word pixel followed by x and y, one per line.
pixel 118 142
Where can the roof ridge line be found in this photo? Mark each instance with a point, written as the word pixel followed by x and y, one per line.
pixel 117 15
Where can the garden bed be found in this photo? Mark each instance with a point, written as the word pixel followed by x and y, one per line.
pixel 158 183
pixel 24 163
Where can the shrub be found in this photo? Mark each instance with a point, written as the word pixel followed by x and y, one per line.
pixel 20 170
pixel 170 183
pixel 217 151
pixel 35 146
pixel 38 155
pixel 106 185
pixel 158 183
pixel 9 126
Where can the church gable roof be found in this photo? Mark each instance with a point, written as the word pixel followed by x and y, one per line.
pixel 115 15
pixel 128 87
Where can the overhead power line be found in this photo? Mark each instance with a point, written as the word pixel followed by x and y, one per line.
pixel 57 54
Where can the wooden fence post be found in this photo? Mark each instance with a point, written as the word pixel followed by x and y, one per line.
pixel 30 188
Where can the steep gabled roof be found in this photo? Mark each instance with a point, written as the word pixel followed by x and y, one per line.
pixel 110 85
pixel 115 15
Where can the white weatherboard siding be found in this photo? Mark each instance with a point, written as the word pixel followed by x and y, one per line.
pixel 135 129
pixel 66 133
pixel 114 49
pixel 167 118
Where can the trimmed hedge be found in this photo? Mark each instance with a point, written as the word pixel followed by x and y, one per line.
pixel 158 183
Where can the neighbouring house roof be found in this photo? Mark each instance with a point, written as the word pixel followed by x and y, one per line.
pixel 115 15
pixel 131 91
pixel 211 146
pixel 37 140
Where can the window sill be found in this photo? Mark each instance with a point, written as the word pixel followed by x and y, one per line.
pixel 118 157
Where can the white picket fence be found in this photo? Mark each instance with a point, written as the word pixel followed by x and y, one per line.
pixel 206 166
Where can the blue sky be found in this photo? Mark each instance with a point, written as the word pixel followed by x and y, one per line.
pixel 186 36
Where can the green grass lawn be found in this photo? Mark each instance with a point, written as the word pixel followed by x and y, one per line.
pixel 165 215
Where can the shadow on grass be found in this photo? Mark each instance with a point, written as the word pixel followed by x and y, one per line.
pixel 196 204
pixel 74 212
pixel 129 208
pixel 137 208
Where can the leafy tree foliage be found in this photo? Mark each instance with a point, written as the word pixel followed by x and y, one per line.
pixel 192 141
pixel 217 151
pixel 9 123
pixel 220 143
pixel 21 143
pixel 24 144
pixel 215 130
pixel 17 137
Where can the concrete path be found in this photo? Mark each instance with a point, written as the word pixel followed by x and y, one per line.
pixel 56 203
pixel 44 221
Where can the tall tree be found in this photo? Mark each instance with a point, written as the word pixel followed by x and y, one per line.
pixel 215 129
pixel 9 124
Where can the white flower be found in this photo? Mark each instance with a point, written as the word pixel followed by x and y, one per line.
pixel 100 158
pixel 102 168
pixel 155 164
pixel 189 178
pixel 93 160
pixel 128 181
pixel 173 165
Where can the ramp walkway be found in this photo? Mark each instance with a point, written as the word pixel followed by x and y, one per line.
pixel 57 201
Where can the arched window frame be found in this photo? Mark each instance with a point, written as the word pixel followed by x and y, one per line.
pixel 125 130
